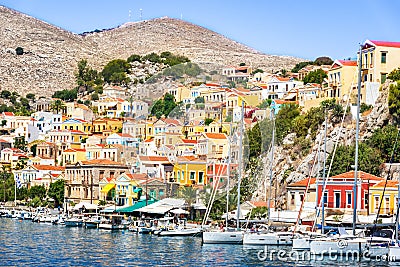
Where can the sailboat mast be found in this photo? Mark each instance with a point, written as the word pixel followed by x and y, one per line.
pixel 357 137
pixel 228 172
pixel 240 166
pixel 324 176
pixel 272 160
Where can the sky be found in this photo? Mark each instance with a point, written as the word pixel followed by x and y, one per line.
pixel 306 29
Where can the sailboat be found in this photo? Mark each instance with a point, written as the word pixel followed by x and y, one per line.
pixel 345 243
pixel 268 237
pixel 394 250
pixel 226 235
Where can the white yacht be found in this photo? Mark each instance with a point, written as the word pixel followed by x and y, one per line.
pixel 272 238
pixel 223 237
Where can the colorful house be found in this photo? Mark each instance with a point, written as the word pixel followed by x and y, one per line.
pixel 77 125
pixel 127 190
pixel 213 145
pixel 379 58
pixel 388 206
pixel 73 155
pixel 190 171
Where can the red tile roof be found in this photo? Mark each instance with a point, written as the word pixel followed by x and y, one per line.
pixel 100 162
pixel 75 150
pixel 125 135
pixel 361 174
pixel 259 203
pixel 188 141
pixel 348 62
pixel 153 158
pixel 302 183
pixel 137 176
pixel 385 43
pixel 215 135
pixel 389 183
pixel 48 168
pixel 6 113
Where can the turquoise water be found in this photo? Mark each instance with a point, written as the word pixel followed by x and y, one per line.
pixel 23 243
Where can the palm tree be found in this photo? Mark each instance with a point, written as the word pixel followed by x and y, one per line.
pixel 189 194
pixel 57 105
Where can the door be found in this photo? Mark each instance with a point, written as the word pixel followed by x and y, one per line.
pixel 337 199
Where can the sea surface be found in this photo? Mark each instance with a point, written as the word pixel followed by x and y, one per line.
pixel 24 243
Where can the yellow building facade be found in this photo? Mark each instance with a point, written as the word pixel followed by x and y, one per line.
pixel 190 171
pixel 388 206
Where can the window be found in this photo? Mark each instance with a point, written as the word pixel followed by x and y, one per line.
pixel 383 57
pixel 192 175
pixel 376 198
pixel 183 175
pixel 337 199
pixel 201 177
pixel 383 77
pixel 348 199
pixel 325 199
pixel 370 77
pixel 161 192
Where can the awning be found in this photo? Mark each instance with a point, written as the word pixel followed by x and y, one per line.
pixel 139 204
pixel 163 206
pixel 86 205
pixel 107 188
pixel 137 190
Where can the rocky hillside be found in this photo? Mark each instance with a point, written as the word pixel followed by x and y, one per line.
pixel 51 53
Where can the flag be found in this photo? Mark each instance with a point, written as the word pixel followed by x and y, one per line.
pixel 18 183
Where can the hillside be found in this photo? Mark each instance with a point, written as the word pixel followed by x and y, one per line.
pixel 51 53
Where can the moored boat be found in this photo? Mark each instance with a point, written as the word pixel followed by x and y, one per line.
pixel 223 237
pixel 181 232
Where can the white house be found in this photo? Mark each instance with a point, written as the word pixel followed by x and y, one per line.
pixel 278 87
pixel 121 139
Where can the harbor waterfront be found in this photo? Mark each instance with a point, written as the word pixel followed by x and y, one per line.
pixel 23 243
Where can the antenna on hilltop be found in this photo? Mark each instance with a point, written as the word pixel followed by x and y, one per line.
pixel 129 15
pixel 141 13
pixel 181 16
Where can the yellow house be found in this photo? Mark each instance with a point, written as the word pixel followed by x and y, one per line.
pixel 193 129
pixel 149 133
pixel 180 93
pixel 213 145
pixel 378 59
pixel 190 171
pixel 73 155
pixel 389 199
pixel 127 190
pixel 342 77
pixel 77 125
pixel 107 125
pixel 77 138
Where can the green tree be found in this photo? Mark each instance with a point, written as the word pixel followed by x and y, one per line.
pixel 37 191
pixel 301 65
pixel 30 96
pixel 5 94
pixel 208 121
pixel 19 51
pixel 257 71
pixel 316 76
pixel 86 76
pixel 95 96
pixel 66 95
pixel 20 143
pixel 394 101
pixel 152 57
pixel 3 123
pixel 189 194
pixel 284 119
pixel 394 75
pixel 57 105
pixel 134 57
pixel 265 103
pixel 56 191
pixel 115 71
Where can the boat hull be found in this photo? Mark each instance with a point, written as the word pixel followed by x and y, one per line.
pixel 223 237
pixel 184 232
pixel 301 243
pixel 336 247
pixel 272 239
